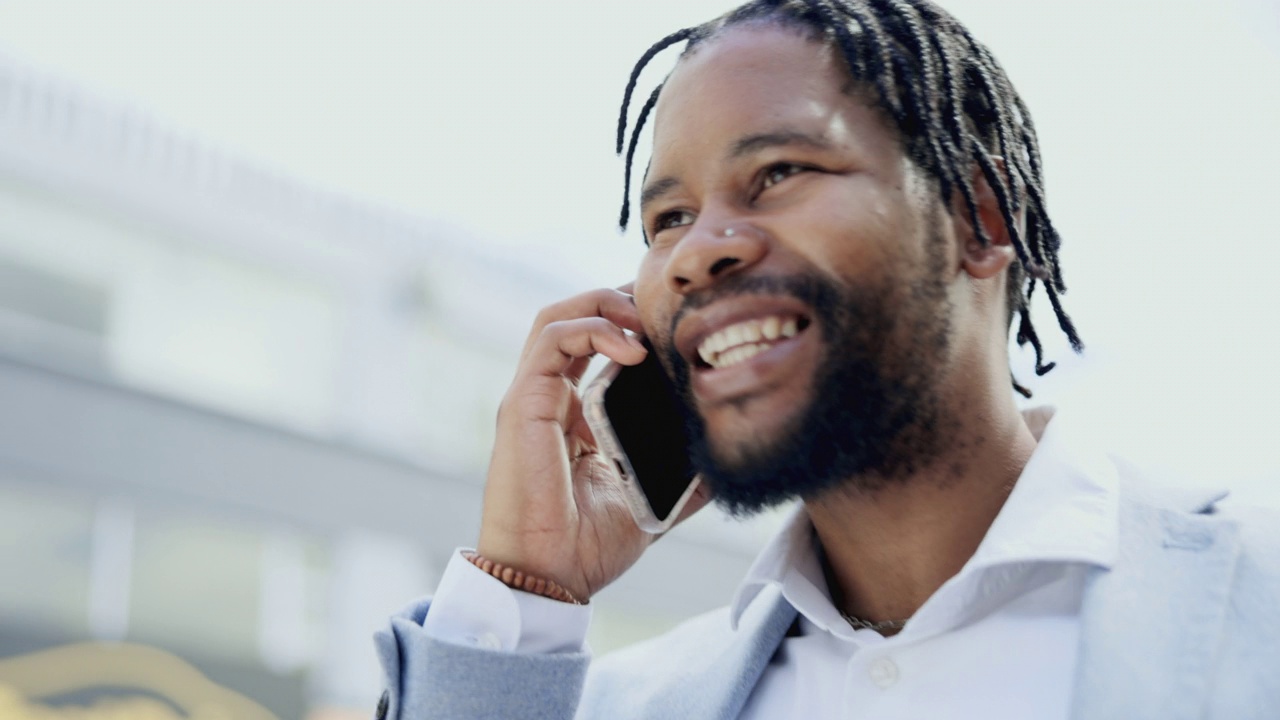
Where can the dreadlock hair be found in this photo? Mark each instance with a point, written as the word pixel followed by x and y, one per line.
pixel 952 106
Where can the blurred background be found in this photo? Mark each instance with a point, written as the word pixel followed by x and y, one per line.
pixel 265 268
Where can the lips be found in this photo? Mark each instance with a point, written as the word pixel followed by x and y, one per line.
pixel 745 345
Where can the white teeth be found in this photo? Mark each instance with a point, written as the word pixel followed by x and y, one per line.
pixel 771 327
pixel 721 342
pixel 736 335
pixel 738 342
pixel 740 353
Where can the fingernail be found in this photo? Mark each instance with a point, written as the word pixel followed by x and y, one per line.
pixel 635 342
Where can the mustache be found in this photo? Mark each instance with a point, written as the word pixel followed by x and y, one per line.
pixel 812 289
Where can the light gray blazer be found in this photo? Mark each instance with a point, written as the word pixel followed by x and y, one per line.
pixel 1185 625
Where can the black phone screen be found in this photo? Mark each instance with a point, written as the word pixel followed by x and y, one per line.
pixel 646 416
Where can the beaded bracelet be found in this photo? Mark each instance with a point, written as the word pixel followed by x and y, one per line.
pixel 518 580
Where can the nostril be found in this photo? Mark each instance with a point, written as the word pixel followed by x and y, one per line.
pixel 722 264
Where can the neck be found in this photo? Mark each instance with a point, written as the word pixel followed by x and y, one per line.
pixel 888 550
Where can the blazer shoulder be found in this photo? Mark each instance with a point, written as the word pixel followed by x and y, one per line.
pixel 1254 528
pixel 1258 565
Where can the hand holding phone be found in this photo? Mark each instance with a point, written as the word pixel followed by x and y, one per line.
pixel 554 504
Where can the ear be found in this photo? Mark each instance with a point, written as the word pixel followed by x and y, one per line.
pixel 984 262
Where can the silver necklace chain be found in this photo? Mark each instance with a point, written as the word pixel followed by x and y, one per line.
pixel 855 622
pixel 860 624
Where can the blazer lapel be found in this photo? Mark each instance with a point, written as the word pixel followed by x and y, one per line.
pixel 1150 624
pixel 721 691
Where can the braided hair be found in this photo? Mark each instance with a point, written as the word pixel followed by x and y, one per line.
pixel 952 106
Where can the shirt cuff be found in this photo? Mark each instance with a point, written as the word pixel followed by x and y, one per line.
pixel 473 608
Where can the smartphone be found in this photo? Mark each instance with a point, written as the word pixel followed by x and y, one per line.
pixel 639 424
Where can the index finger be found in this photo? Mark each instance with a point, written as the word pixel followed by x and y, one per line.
pixel 615 306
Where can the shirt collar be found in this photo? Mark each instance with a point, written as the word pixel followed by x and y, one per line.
pixel 790 560
pixel 1064 508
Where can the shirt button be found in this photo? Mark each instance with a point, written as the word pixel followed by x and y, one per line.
pixel 489 641
pixel 884 673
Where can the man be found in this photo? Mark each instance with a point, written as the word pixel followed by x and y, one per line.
pixel 863 171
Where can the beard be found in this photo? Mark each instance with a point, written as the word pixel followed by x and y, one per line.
pixel 873 416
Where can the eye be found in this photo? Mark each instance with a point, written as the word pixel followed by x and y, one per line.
pixel 673 219
pixel 778 172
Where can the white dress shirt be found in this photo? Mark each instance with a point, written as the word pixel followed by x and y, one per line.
pixel 998 640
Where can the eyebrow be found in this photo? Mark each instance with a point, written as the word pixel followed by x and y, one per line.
pixel 780 138
pixel 743 147
pixel 657 189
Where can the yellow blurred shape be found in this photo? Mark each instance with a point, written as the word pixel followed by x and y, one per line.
pixel 14 707
pixel 121 668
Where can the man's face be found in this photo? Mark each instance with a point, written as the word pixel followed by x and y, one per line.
pixel 798 277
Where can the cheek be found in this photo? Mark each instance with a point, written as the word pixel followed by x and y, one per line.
pixel 652 298
pixel 851 236
pixel 842 245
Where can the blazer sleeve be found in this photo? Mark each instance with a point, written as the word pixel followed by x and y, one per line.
pixel 428 678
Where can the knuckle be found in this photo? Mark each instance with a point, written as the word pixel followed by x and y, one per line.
pixel 557 329
pixel 545 316
pixel 575 306
pixel 598 325
pixel 504 405
pixel 510 405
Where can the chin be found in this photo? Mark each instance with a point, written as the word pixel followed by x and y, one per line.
pixel 739 463
pixel 737 435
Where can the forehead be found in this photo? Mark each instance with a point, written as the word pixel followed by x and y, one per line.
pixel 759 78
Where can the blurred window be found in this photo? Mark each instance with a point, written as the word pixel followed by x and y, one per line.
pixel 44 564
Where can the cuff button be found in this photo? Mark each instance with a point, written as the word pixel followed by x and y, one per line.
pixel 489 641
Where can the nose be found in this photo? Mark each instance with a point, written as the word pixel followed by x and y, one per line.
pixel 709 253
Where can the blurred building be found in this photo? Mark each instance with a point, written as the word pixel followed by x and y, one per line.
pixel 242 419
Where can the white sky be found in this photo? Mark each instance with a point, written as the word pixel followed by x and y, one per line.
pixel 1158 121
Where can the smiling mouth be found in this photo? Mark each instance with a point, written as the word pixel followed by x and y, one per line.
pixel 742 341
